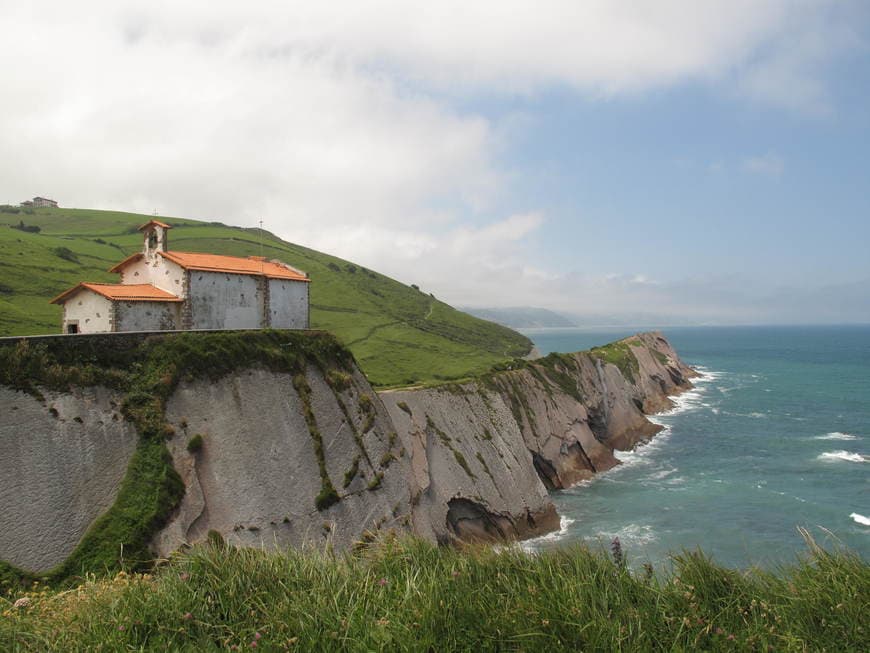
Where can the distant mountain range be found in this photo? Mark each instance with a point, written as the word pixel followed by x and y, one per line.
pixel 530 317
pixel 522 317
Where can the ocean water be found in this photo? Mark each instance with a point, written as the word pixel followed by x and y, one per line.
pixel 775 435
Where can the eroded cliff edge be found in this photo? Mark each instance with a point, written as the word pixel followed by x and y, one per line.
pixel 484 453
pixel 277 439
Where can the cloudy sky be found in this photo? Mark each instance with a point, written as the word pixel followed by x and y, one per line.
pixel 704 161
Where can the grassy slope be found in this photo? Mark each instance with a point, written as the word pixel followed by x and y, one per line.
pixel 399 335
pixel 412 596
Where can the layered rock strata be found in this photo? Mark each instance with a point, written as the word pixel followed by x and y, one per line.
pixel 313 456
pixel 483 454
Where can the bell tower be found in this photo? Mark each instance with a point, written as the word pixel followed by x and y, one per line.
pixel 156 238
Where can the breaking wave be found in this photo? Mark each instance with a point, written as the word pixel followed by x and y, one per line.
pixel 632 535
pixel 836 435
pixel 533 545
pixel 860 519
pixel 848 456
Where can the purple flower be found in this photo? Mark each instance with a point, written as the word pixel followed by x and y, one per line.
pixel 382 582
pixel 616 550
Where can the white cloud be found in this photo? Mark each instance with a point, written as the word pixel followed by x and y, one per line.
pixel 767 165
pixel 338 123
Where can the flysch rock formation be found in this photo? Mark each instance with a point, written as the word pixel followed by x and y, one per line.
pixel 574 410
pixel 472 474
pixel 257 474
pixel 62 461
pixel 469 461
pixel 484 453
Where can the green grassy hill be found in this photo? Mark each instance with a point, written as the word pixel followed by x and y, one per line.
pixel 399 335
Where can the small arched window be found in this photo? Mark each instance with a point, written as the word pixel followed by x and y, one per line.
pixel 152 239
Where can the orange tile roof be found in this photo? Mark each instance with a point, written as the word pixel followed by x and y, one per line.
pixel 120 266
pixel 141 292
pixel 234 265
pixel 158 223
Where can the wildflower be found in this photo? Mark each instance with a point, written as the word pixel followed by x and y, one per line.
pixel 719 631
pixel 616 550
pixel 257 635
pixel 184 576
pixel 545 622
pixel 121 627
pixel 455 573
pixel 23 602
pixel 382 582
pixel 731 637
pixel 254 644
pixel 187 616
pixel 383 622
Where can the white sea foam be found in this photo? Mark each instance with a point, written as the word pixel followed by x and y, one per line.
pixel 860 519
pixel 533 545
pixel 831 456
pixel 836 435
pixel 682 403
pixel 657 476
pixel 632 534
pixel 641 454
pixel 705 375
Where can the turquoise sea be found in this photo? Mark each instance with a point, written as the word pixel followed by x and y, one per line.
pixel 775 435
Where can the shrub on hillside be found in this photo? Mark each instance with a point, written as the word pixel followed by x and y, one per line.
pixel 29 228
pixel 194 445
pixel 66 254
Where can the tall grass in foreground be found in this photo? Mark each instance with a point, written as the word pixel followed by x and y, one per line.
pixel 410 595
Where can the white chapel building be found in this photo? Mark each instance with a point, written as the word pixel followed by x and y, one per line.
pixel 162 290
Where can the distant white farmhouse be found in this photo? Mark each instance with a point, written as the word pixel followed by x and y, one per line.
pixel 162 290
pixel 40 202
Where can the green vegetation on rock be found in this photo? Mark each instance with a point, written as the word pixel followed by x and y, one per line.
pixel 619 353
pixel 146 372
pixel 408 595
pixel 398 335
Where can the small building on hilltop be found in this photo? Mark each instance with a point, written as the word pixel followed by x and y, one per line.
pixel 163 290
pixel 40 202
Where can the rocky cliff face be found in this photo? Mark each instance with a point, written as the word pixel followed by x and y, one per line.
pixel 574 410
pixel 62 460
pixel 270 443
pixel 483 454
pixel 278 439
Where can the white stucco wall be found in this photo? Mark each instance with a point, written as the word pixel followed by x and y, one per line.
pixel 159 271
pixel 225 301
pixel 288 304
pixel 147 316
pixel 92 312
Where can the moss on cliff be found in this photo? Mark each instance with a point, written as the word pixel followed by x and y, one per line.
pixel 146 372
pixel 619 354
pixel 328 495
